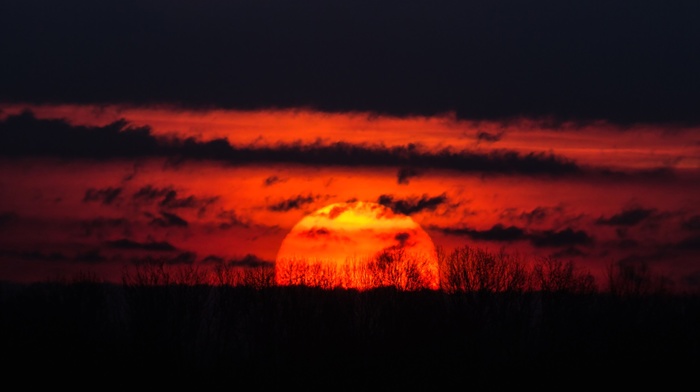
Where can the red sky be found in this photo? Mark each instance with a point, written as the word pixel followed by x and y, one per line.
pixel 595 194
pixel 201 132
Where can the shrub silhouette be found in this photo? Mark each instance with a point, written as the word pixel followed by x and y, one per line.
pixel 388 268
pixel 464 269
pixel 634 278
pixel 553 275
pixel 472 269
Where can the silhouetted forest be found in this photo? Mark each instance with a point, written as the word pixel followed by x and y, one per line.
pixel 480 330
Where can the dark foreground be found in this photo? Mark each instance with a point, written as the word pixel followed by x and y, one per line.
pixel 95 335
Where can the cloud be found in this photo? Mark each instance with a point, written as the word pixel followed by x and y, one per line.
pixel 488 137
pixel 412 205
pixel 692 223
pixel 150 193
pixel 539 238
pixel 167 219
pixel 101 226
pixel 690 243
pixel 402 238
pixel 251 261
pixel 536 215
pixel 566 237
pixel 92 256
pixel 473 58
pixel 24 135
pixel 293 203
pixel 232 219
pixel 248 261
pixel 134 245
pixel 497 232
pixel 186 258
pixel 272 180
pixel 173 202
pixel 324 234
pixel 405 174
pixel 34 255
pixel 315 233
pixel 213 259
pixel 629 217
pixel 7 218
pixel 105 196
pixel 167 197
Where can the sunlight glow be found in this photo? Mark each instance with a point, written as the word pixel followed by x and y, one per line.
pixel 357 245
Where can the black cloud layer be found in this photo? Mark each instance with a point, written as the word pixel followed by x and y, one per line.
pixel 24 135
pixel 625 61
pixel 539 239
pixel 629 217
pixel 412 205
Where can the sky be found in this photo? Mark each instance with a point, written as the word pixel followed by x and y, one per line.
pixel 201 133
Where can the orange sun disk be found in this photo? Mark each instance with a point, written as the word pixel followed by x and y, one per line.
pixel 358 245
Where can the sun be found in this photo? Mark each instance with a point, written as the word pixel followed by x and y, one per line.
pixel 358 245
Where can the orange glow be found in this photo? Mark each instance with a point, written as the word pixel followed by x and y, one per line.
pixel 357 245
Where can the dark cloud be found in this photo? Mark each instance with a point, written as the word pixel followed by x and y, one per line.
pixel 101 226
pixel 185 258
pixel 496 233
pixel 690 243
pixel 34 255
pixel 92 256
pixel 250 261
pixel 247 261
pixel 231 219
pixel 168 198
pixel 172 201
pixel 629 217
pixel 631 61
pixel 402 238
pixel 157 246
pixel 566 237
pixel 315 233
pixel 25 135
pixel 7 218
pixel 628 243
pixel 293 203
pixel 167 219
pixel 538 214
pixel 405 174
pixel 213 259
pixel 105 196
pixel 412 205
pixel 546 238
pixel 488 137
pixel 692 223
pixel 346 154
pixel 272 180
pixel 150 193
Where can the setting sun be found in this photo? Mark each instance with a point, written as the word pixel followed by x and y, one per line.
pixel 357 245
